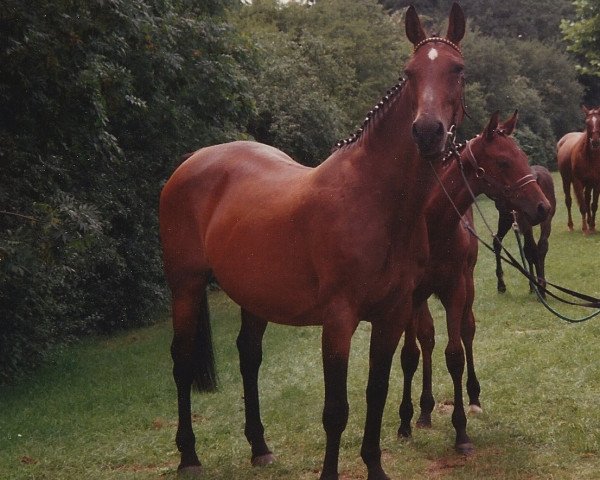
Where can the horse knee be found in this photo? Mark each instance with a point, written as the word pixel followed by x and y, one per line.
pixel 335 417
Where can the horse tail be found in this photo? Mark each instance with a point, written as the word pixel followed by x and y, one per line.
pixel 205 373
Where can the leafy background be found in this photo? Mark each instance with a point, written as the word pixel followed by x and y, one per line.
pixel 99 99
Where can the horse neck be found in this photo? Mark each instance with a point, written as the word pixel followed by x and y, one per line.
pixel 385 160
pixel 441 215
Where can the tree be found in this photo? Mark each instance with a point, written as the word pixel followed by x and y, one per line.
pixel 583 36
pixel 97 101
pixel 337 57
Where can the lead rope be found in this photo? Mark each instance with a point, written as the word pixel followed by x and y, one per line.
pixel 592 302
pixel 537 286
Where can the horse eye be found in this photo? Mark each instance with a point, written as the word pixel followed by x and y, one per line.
pixel 458 69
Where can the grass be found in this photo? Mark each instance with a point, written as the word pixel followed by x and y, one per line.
pixel 105 409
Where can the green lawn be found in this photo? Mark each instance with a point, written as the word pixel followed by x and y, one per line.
pixel 105 409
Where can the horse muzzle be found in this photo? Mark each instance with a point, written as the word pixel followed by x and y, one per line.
pixel 539 214
pixel 429 135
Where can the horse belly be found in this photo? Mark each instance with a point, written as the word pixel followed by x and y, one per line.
pixel 271 278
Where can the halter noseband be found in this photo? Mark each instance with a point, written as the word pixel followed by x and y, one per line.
pixel 480 173
pixel 438 39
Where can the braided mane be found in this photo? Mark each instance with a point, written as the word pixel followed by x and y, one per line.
pixel 390 94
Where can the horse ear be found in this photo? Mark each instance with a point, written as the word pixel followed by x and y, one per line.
pixel 414 30
pixel 584 109
pixel 488 131
pixel 456 24
pixel 509 126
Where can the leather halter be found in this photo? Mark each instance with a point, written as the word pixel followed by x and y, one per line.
pixel 438 39
pixel 507 190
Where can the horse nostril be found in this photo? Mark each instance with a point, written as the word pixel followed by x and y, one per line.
pixel 440 129
pixel 415 130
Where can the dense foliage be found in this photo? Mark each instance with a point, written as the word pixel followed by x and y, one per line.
pixel 99 99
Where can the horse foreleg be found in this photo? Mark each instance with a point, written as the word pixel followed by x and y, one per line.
pixel 504 224
pixel 187 309
pixel 594 208
pixel 473 387
pixel 336 337
pixel 455 361
pixel 531 254
pixel 426 336
pixel 587 195
pixel 385 335
pixel 409 360
pixel 566 182
pixel 249 344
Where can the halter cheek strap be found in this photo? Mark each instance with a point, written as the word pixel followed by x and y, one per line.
pixel 480 173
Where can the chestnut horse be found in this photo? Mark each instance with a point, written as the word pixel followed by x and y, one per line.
pixel 493 165
pixel 578 157
pixel 535 252
pixel 284 242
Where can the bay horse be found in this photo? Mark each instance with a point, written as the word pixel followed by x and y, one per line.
pixel 535 252
pixel 493 165
pixel 578 158
pixel 284 243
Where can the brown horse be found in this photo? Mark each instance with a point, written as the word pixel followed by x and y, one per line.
pixel 578 157
pixel 535 252
pixel 284 242
pixel 493 165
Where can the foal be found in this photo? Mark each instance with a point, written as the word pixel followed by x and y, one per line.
pixel 535 252
pixel 494 165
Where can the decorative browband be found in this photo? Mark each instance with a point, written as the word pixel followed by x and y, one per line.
pixel 438 39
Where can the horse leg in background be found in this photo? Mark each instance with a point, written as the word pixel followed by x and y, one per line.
pixel 542 249
pixel 426 336
pixel 504 223
pixel 566 182
pixel 190 338
pixel 249 344
pixel 579 194
pixel 409 359
pixel 338 329
pixel 531 254
pixel 587 195
pixel 454 304
pixel 594 208
pixel 467 333
pixel 385 335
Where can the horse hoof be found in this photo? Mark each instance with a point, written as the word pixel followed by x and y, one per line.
pixel 465 448
pixel 263 460
pixel 423 424
pixel 476 409
pixel 404 433
pixel 377 474
pixel 193 471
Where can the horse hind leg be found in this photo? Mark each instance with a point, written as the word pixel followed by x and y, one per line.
pixel 193 362
pixel 249 344
pixel 409 360
pixel 426 336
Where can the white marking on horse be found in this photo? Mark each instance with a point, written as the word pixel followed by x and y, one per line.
pixel 433 54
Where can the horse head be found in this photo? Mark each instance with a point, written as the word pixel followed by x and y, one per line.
pixel 503 172
pixel 434 76
pixel 592 125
